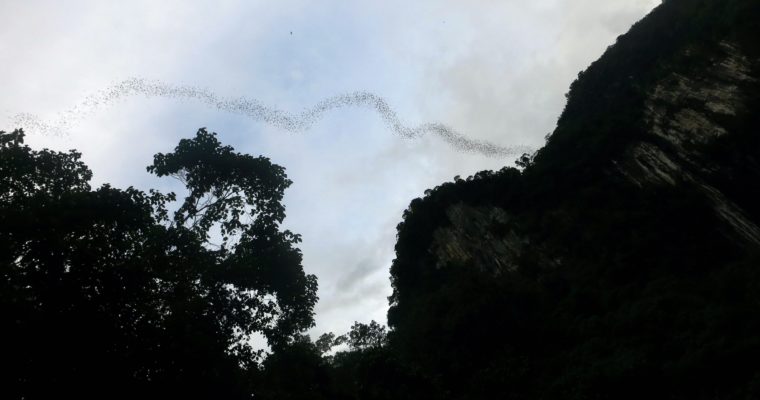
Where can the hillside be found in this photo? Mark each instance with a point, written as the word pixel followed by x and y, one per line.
pixel 622 262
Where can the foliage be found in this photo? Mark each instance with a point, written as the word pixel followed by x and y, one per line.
pixel 103 295
pixel 366 336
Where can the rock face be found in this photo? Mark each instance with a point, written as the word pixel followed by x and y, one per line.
pixel 689 113
pixel 484 238
pixel 479 237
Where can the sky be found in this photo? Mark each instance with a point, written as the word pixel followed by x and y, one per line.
pixel 494 71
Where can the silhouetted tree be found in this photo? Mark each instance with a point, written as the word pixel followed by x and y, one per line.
pixel 103 294
pixel 366 336
pixel 295 371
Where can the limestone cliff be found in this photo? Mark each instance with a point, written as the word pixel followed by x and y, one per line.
pixel 689 111
pixel 684 113
pixel 626 254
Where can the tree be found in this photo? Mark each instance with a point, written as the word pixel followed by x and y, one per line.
pixel 525 161
pixel 103 294
pixel 296 371
pixel 367 336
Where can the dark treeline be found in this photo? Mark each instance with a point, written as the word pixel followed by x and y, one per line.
pixel 618 290
pixel 104 293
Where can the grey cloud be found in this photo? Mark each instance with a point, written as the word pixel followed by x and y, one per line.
pixel 356 274
pixel 512 90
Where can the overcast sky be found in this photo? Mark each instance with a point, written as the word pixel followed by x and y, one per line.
pixel 492 70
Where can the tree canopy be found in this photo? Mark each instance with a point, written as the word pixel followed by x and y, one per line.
pixel 104 294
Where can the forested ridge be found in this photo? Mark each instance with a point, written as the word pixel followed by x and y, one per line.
pixel 618 261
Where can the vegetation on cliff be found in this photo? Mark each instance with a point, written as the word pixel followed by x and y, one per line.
pixel 622 289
